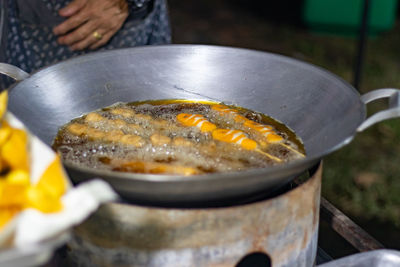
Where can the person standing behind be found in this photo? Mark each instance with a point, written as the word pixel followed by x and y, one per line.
pixel 37 33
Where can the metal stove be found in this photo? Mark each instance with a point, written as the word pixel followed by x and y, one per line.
pixel 278 230
pixel 281 230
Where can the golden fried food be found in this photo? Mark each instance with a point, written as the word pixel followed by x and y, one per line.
pixel 77 129
pixel 209 137
pixel 266 131
pixel 117 123
pixel 180 141
pixel 94 117
pixel 112 136
pixel 124 112
pixel 132 140
pixel 143 117
pixel 235 137
pixel 196 120
pixel 95 134
pixel 134 127
pixel 153 168
pixel 224 110
pixel 159 139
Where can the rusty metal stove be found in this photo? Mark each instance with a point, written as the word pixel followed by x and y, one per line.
pixel 281 230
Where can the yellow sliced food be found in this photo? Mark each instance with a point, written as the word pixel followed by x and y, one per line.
pixel 3 103
pixel 20 177
pixel 16 191
pixel 3 165
pixel 12 194
pixel 41 200
pixel 5 132
pixel 7 213
pixel 53 181
pixel 15 150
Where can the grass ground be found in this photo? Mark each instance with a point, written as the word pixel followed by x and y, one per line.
pixel 362 179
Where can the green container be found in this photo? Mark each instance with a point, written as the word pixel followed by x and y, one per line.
pixel 344 16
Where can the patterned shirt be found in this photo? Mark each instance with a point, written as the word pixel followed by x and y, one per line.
pixel 31 46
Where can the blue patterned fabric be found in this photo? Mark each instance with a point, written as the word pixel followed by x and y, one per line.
pixel 31 46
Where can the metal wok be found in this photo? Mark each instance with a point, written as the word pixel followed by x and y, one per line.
pixel 322 109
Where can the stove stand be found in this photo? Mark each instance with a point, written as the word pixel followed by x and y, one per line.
pixel 279 231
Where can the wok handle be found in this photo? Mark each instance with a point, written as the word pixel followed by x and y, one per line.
pixel 14 72
pixel 392 112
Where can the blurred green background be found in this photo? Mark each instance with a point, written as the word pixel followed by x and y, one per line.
pixel 362 179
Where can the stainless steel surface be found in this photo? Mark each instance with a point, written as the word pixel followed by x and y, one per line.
pixel 13 72
pixel 392 112
pixel 375 258
pixel 321 108
pixel 32 255
pixel 284 227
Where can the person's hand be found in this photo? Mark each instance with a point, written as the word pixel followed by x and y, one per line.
pixel 90 23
